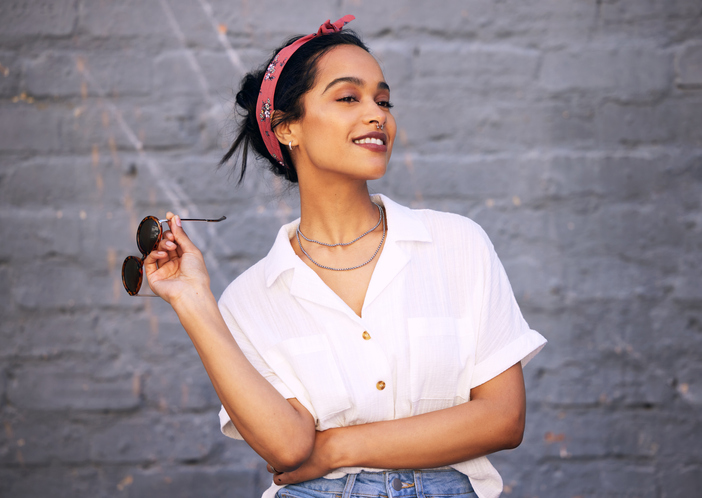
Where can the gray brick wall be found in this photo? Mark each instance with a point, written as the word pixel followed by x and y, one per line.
pixel 571 130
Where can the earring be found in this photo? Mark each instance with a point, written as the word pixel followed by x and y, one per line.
pixel 290 145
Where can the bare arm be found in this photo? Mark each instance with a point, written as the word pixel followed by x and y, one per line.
pixel 493 420
pixel 280 430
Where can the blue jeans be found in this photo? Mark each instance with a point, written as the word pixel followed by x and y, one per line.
pixel 441 483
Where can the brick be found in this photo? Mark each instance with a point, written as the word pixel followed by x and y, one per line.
pixel 71 74
pixel 688 65
pixel 666 21
pixel 174 75
pixel 37 439
pixel 434 127
pixel 222 77
pixel 44 337
pixel 116 20
pixel 193 23
pixel 37 18
pixel 621 378
pixel 148 439
pixel 184 386
pixel 635 71
pixel 633 125
pixel 245 22
pixel 61 182
pixel 44 121
pixel 179 481
pixel 477 67
pixel 130 481
pixel 51 387
pixel 251 226
pixel 607 477
pixel 531 22
pixel 153 332
pixel 63 481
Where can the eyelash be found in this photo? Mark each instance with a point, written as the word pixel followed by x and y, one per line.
pixel 383 103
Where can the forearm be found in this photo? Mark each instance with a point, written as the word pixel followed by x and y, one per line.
pixel 281 432
pixel 479 427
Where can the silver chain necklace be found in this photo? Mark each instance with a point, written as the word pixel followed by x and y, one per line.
pixel 382 219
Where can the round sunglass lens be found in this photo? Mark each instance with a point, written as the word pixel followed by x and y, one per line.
pixel 132 274
pixel 149 235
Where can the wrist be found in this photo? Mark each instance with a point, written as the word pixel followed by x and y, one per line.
pixel 194 299
pixel 340 448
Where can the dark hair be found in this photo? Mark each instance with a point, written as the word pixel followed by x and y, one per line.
pixel 298 77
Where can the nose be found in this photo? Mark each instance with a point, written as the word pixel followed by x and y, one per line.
pixel 375 116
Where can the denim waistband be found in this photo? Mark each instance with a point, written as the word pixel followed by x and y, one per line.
pixel 390 484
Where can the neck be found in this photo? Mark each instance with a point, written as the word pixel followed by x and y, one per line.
pixel 338 214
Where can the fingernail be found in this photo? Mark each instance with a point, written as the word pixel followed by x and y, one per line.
pixel 178 220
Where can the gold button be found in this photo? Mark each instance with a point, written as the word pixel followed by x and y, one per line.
pixel 380 385
pixel 366 335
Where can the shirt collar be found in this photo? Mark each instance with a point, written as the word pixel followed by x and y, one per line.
pixel 403 225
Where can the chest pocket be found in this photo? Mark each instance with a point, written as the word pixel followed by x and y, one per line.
pixel 434 363
pixel 313 364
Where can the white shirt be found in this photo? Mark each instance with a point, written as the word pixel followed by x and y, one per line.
pixel 439 319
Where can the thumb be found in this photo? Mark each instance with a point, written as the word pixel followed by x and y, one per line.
pixel 181 238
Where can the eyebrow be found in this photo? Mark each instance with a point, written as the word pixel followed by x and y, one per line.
pixel 354 81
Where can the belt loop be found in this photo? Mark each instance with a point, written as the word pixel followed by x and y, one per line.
pixel 418 485
pixel 350 481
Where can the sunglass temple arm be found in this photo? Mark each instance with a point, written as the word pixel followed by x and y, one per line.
pixel 198 219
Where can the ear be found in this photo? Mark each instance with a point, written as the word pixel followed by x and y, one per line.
pixel 287 132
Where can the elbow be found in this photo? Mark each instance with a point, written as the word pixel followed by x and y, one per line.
pixel 293 454
pixel 514 430
pixel 514 439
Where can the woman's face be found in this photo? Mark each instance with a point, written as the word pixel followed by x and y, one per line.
pixel 338 133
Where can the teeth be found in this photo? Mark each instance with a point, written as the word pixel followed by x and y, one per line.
pixel 375 141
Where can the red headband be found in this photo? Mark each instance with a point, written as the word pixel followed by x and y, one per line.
pixel 265 96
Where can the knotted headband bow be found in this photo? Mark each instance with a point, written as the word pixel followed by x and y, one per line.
pixel 265 102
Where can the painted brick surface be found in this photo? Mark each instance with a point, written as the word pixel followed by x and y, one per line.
pixel 571 130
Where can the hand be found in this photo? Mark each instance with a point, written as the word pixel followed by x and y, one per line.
pixel 317 465
pixel 176 266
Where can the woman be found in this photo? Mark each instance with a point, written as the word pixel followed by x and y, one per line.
pixel 354 347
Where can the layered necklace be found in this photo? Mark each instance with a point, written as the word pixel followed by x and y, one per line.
pixel 381 219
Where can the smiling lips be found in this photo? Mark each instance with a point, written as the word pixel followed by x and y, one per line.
pixel 374 141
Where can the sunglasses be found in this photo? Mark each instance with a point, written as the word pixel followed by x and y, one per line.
pixel 148 236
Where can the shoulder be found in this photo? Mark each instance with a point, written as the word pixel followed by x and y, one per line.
pixel 454 229
pixel 250 284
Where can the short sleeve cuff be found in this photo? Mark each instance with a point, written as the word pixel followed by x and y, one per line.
pixel 523 349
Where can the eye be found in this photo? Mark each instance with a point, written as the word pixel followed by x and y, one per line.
pixel 385 103
pixel 347 99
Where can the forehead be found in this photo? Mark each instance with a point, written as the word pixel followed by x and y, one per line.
pixel 348 60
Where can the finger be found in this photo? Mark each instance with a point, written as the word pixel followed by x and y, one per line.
pixel 168 246
pixel 180 237
pixel 152 261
